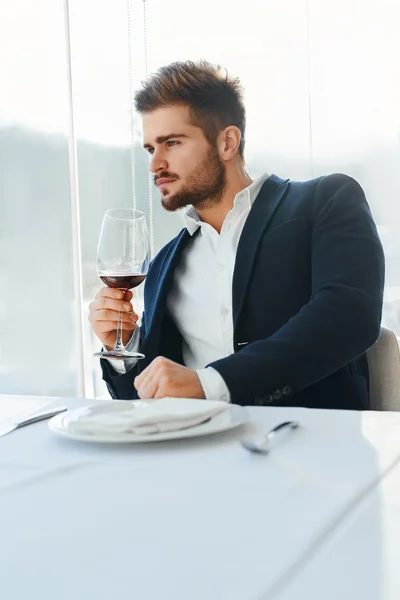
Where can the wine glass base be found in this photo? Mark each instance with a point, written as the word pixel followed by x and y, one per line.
pixel 119 354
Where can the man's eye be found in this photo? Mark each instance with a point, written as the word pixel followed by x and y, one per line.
pixel 150 150
pixel 172 142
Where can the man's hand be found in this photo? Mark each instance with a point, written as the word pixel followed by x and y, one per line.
pixel 164 378
pixel 103 315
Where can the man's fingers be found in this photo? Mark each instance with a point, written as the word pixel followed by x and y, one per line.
pixel 105 314
pixel 107 292
pixel 155 368
pixel 108 326
pixel 147 389
pixel 145 373
pixel 112 304
pixel 112 315
pixel 161 392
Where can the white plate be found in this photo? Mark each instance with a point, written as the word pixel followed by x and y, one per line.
pixel 234 416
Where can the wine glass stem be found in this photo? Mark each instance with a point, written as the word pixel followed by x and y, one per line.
pixel 118 342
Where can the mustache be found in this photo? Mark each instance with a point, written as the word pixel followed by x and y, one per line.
pixel 166 175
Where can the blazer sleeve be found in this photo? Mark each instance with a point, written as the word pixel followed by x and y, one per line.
pixel 342 318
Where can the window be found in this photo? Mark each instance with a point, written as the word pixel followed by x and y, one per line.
pixel 322 95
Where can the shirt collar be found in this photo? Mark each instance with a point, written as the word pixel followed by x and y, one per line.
pixel 244 199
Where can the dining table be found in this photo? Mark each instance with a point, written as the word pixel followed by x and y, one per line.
pixel 317 517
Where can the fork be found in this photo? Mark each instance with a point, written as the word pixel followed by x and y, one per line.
pixel 263 446
pixel 38 417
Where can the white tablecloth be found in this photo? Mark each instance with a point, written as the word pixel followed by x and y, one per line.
pixel 361 559
pixel 191 519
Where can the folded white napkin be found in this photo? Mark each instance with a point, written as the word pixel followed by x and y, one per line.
pixel 142 418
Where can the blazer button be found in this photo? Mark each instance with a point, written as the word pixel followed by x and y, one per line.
pixel 277 395
pixel 286 390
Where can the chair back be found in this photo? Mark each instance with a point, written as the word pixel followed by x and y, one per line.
pixel 384 372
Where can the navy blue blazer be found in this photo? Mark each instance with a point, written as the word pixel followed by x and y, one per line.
pixel 307 299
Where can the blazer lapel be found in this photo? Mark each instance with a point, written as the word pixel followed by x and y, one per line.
pixel 165 279
pixel 258 221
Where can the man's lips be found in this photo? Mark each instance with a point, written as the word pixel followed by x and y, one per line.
pixel 164 180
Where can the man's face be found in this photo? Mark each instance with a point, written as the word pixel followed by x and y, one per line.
pixel 187 170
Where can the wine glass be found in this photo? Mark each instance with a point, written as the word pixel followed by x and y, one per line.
pixel 123 257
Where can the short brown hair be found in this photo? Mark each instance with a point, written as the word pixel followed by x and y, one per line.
pixel 215 99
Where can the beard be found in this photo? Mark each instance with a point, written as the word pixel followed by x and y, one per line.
pixel 204 188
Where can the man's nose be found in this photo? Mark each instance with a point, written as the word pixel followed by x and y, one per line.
pixel 158 162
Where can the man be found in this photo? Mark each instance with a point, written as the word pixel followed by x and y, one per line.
pixel 273 291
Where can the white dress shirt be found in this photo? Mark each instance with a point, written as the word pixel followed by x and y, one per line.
pixel 200 301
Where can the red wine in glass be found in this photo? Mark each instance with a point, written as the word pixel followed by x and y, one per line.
pixel 126 281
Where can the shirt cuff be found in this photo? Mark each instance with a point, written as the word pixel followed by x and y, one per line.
pixel 123 366
pixel 213 385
